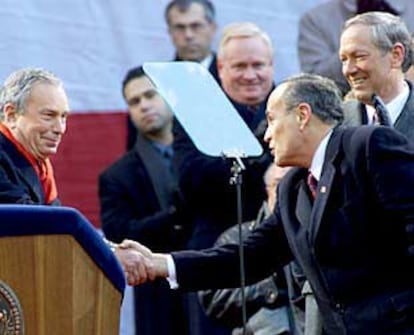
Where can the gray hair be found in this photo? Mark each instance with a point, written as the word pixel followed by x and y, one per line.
pixel 18 86
pixel 183 5
pixel 319 92
pixel 387 29
pixel 242 30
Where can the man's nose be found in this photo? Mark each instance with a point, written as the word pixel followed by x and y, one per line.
pixel 249 73
pixel 188 32
pixel 59 125
pixel 266 136
pixel 348 67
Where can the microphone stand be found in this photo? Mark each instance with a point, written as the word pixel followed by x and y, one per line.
pixel 237 180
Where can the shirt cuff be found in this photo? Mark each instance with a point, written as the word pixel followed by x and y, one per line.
pixel 172 274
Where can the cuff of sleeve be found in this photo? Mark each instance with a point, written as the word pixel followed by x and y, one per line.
pixel 172 276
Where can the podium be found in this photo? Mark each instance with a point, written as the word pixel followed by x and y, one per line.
pixel 57 276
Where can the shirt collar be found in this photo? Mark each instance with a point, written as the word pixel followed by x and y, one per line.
pixel 207 61
pixel 394 107
pixel 164 149
pixel 319 157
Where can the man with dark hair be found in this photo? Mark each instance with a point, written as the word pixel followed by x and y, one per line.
pixel 140 199
pixel 345 212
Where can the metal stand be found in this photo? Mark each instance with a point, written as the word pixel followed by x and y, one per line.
pixel 236 179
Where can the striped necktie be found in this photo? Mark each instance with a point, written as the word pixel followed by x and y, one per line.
pixel 381 115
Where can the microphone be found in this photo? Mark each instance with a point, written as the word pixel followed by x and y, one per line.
pixel 382 112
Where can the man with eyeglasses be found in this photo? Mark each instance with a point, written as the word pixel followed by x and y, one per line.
pixel 191 26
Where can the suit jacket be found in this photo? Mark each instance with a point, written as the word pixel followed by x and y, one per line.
pixel 19 182
pixel 132 205
pixel 355 115
pixel 352 243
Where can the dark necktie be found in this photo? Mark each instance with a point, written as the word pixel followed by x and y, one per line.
pixel 312 184
pixel 381 116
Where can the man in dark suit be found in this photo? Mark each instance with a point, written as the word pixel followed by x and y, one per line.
pixel 376 51
pixel 245 61
pixel 34 109
pixel 140 199
pixel 350 233
pixel 191 26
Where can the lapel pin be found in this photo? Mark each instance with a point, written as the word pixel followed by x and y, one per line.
pixel 323 189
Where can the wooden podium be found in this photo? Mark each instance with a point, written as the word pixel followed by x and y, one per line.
pixel 57 276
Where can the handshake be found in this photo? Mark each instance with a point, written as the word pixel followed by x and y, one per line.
pixel 139 263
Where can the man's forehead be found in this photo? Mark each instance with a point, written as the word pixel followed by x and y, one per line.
pixel 194 12
pixel 45 91
pixel 140 84
pixel 357 31
pixel 277 95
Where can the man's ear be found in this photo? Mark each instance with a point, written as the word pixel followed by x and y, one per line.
pixel 397 55
pixel 303 113
pixel 10 115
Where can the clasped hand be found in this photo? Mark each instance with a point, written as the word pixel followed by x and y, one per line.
pixel 137 262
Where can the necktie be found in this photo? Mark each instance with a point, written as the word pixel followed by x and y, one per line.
pixel 312 184
pixel 381 115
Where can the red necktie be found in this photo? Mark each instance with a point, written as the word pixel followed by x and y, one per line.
pixel 312 184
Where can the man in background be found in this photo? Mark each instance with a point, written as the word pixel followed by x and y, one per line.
pixel 320 30
pixel 245 65
pixel 246 71
pixel 376 50
pixel 191 26
pixel 140 200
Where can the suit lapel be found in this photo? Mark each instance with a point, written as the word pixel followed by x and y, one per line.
pixel 319 206
pixel 325 184
pixel 354 113
pixel 163 181
pixel 304 205
pixel 405 120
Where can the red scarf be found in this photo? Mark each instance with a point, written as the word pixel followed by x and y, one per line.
pixel 43 168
